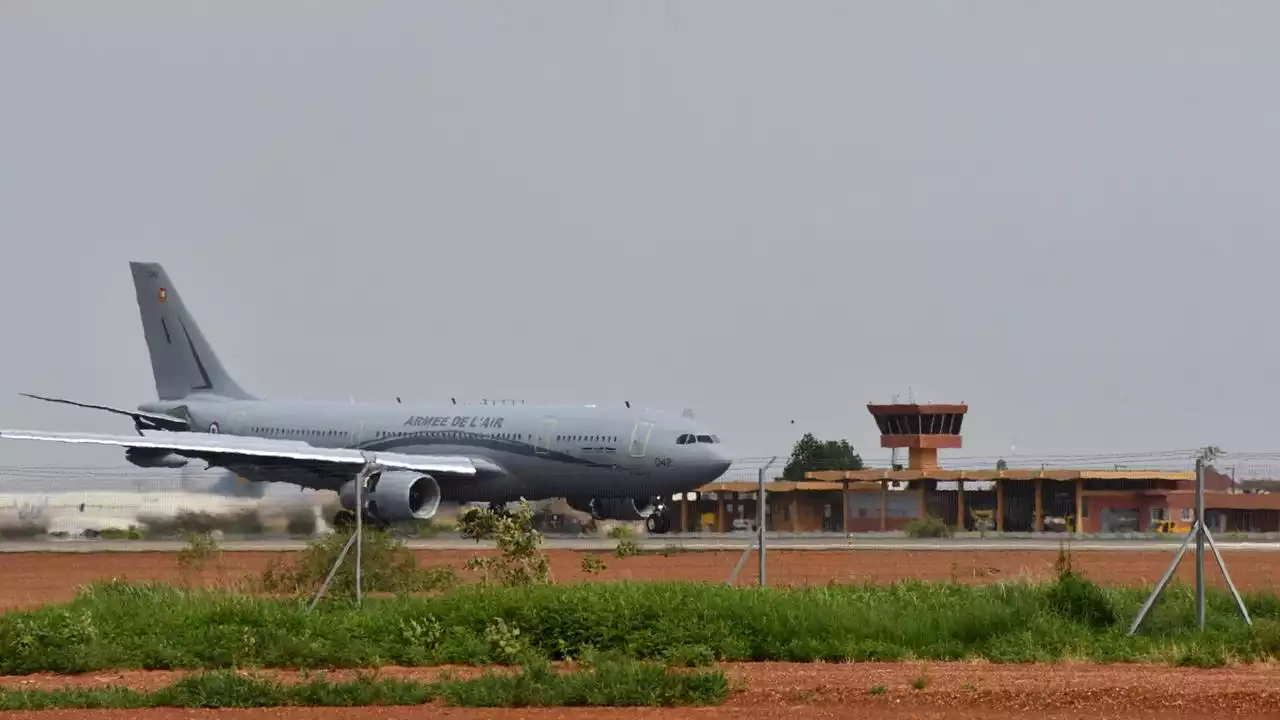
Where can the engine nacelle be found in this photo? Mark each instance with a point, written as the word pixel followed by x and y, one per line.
pixel 152 458
pixel 395 496
pixel 615 508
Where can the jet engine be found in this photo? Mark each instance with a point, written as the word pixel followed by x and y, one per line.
pixel 153 458
pixel 615 508
pixel 395 496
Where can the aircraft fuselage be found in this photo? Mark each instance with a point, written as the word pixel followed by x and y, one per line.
pixel 545 451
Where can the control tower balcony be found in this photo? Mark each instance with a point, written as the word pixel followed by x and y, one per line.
pixel 922 429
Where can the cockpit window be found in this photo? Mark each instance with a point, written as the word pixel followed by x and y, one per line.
pixel 689 439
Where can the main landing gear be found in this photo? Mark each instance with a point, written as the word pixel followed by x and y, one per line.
pixel 345 521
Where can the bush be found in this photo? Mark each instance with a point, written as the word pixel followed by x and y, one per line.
pixel 627 548
pixel 929 527
pixel 519 561
pixel 1076 598
pixel 387 565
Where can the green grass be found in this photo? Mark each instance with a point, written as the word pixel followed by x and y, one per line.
pixel 117 625
pixel 609 684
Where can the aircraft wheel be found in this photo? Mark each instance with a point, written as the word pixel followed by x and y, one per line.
pixel 657 524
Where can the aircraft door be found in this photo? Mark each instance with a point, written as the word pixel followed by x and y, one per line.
pixel 546 431
pixel 640 438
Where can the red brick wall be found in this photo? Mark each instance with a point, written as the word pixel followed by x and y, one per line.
pixel 1096 504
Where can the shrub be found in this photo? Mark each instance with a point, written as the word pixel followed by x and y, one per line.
pixel 519 561
pixel 929 527
pixel 387 565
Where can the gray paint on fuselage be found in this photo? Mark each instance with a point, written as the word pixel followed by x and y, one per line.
pixel 587 452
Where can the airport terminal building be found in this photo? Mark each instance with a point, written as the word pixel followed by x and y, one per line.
pixel 1010 499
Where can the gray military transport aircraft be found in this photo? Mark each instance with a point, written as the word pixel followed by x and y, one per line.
pixel 616 463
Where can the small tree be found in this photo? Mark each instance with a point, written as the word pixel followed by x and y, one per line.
pixel 519 561
pixel 1001 464
pixel 811 454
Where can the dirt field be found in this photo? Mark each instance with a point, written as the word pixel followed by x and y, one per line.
pixel 770 690
pixel 865 690
pixel 37 578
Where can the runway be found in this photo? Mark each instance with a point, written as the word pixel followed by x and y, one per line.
pixel 703 543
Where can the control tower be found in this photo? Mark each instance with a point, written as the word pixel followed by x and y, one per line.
pixel 922 429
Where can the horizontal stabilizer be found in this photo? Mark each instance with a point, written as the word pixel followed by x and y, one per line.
pixel 143 420
pixel 219 448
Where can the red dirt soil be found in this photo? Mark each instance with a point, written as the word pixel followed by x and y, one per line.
pixel 867 690
pixel 38 578
pixel 770 690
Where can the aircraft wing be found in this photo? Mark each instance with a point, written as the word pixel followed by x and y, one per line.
pixel 219 449
pixel 143 420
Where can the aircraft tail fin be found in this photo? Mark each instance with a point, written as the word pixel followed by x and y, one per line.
pixel 182 361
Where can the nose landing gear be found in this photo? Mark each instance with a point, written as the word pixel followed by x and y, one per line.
pixel 659 523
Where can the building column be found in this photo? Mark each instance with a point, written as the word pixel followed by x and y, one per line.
pixel 844 507
pixel 959 506
pixel 720 524
pixel 795 510
pixel 1079 505
pixel 999 505
pixel 884 505
pixel 684 513
pixel 1038 523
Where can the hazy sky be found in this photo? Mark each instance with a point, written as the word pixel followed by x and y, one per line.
pixel 1063 214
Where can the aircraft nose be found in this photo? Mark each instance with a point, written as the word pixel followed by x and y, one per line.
pixel 718 460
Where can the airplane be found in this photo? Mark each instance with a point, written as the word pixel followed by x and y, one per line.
pixel 615 463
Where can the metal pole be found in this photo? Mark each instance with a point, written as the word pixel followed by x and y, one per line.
pixel 1222 565
pixel 356 539
pixel 360 480
pixel 332 571
pixel 1199 531
pixel 760 515
pixel 760 519
pixel 758 542
pixel 1160 586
